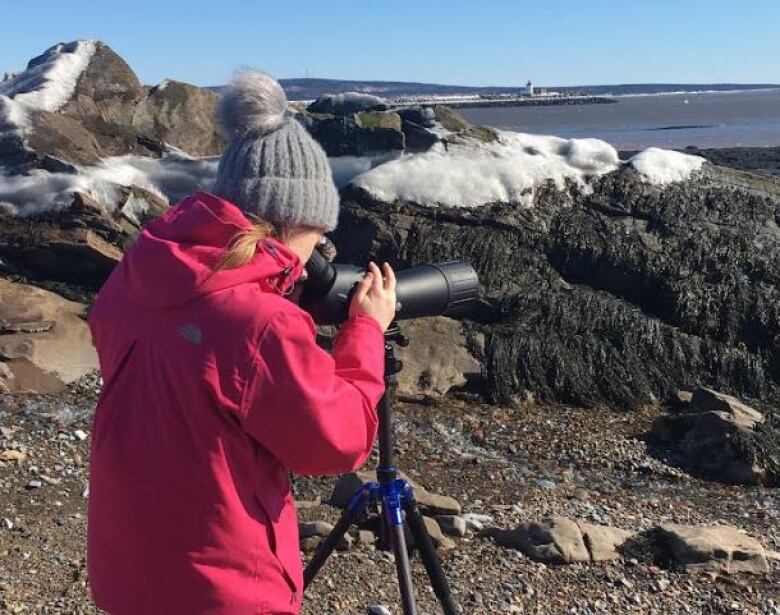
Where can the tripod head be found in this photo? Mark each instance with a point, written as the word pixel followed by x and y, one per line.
pixel 393 337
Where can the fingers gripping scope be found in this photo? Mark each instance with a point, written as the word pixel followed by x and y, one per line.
pixel 446 289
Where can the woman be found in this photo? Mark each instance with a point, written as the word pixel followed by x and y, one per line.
pixel 214 389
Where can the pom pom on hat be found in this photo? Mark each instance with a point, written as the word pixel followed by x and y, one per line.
pixel 252 101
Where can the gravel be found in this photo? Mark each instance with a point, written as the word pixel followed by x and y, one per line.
pixel 505 466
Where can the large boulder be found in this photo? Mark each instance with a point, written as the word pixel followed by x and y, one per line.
pixel 44 341
pixel 181 115
pixel 345 103
pixel 359 134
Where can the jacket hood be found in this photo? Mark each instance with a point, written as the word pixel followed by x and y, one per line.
pixel 173 261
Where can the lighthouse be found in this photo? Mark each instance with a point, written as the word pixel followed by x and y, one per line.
pixel 529 88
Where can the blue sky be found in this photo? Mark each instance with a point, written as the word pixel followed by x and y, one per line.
pixel 481 42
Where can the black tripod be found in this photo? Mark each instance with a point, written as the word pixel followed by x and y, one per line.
pixel 396 499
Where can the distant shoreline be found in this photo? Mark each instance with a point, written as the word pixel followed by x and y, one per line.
pixel 541 101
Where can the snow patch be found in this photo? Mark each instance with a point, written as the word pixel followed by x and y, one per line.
pixel 661 166
pixel 509 171
pixel 171 178
pixel 346 168
pixel 46 85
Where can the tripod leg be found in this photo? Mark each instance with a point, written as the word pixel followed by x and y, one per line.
pixel 428 555
pixel 402 566
pixel 351 514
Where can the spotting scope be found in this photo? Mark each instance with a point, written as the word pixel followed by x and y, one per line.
pixel 444 289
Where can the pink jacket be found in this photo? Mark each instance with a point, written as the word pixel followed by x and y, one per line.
pixel 214 390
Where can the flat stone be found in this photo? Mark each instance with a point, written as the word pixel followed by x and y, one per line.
pixel 554 541
pixel 603 541
pixel 714 548
pixel 440 541
pixel 452 525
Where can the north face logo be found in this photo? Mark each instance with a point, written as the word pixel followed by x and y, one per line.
pixel 191 333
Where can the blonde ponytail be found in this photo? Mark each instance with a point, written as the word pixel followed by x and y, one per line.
pixel 244 245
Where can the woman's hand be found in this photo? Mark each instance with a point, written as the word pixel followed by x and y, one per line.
pixel 375 295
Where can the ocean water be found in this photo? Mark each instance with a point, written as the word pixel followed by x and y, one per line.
pixel 706 119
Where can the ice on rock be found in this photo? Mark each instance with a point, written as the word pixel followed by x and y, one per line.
pixel 171 177
pixel 509 171
pixel 662 166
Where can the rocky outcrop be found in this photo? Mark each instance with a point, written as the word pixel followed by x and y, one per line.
pixel 621 295
pixel 44 341
pixel 722 438
pixel 109 113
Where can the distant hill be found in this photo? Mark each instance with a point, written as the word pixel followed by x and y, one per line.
pixel 307 89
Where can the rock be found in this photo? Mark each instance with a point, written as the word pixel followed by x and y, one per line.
pixel 714 434
pixel 452 121
pixel 47 343
pixel 366 537
pixel 417 138
pixel 475 521
pixel 440 541
pixel 181 115
pixel 346 103
pixel 378 119
pixel 348 484
pixel 683 398
pixel 346 136
pixel 13 455
pixel 34 484
pixel 310 544
pixel 425 117
pixel 603 542
pixel 378 609
pixel 307 529
pixel 80 435
pixel 437 358
pixel 555 541
pixel 452 525
pixel 307 504
pixel 706 400
pixel 715 548
pixel 61 246
pixel 6 378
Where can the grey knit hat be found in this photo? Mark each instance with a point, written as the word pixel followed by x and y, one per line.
pixel 272 168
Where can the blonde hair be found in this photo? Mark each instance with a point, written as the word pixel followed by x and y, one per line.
pixel 244 245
